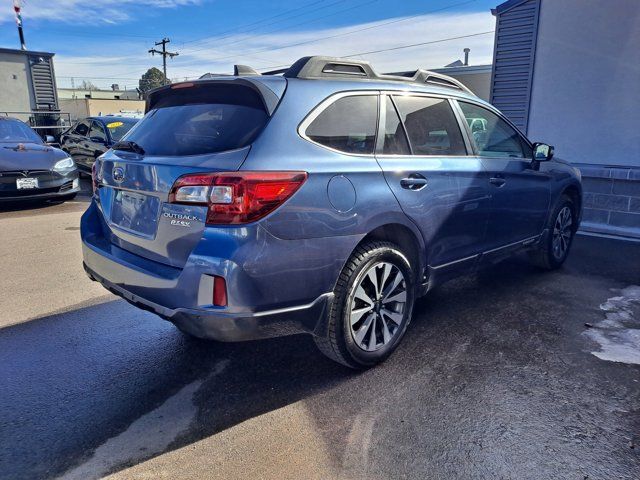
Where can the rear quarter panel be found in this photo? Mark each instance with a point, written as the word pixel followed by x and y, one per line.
pixel 310 213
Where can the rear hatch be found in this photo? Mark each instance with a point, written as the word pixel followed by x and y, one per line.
pixel 193 127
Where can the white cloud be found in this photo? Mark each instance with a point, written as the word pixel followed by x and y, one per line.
pixel 265 51
pixel 107 11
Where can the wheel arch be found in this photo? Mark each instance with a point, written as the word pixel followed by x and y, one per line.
pixel 409 241
pixel 574 192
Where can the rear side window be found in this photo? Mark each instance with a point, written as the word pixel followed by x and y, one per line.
pixel 202 119
pixel 395 140
pixel 82 129
pixel 348 124
pixel 431 125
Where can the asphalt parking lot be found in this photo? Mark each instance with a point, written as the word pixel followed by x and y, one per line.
pixel 511 373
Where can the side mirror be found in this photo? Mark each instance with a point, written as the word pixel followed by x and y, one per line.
pixel 542 152
pixel 49 139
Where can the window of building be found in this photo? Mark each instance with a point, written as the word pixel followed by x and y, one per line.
pixel 349 124
pixel 493 136
pixel 431 125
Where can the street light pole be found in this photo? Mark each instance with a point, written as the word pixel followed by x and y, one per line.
pixel 164 54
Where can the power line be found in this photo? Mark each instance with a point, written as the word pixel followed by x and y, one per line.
pixel 287 28
pixel 306 42
pixel 397 48
pixel 419 44
pixel 82 33
pixel 253 23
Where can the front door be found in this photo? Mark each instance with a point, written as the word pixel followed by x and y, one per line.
pixel 76 139
pixel 444 190
pixel 520 194
pixel 96 143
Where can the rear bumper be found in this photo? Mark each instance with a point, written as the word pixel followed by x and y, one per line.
pixel 227 327
pixel 275 287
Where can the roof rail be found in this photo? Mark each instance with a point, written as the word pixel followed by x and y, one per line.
pixel 317 67
pixel 428 77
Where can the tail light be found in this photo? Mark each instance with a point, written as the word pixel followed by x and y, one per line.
pixel 236 197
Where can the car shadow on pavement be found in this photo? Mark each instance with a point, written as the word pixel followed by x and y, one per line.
pixel 73 380
pixel 485 381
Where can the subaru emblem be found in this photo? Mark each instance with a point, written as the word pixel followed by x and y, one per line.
pixel 118 174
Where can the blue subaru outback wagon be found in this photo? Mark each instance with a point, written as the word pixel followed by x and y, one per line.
pixel 323 199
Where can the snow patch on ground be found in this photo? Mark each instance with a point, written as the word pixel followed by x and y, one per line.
pixel 148 435
pixel 619 333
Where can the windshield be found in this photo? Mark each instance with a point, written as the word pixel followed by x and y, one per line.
pixel 203 119
pixel 118 128
pixel 15 131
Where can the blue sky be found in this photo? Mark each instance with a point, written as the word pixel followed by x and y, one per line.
pixel 106 41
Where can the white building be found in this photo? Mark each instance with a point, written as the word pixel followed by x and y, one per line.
pixel 567 72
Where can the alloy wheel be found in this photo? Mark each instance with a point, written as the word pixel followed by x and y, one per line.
pixel 562 233
pixel 378 306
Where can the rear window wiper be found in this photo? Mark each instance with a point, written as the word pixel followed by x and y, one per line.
pixel 128 146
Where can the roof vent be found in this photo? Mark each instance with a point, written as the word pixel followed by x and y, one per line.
pixel 344 69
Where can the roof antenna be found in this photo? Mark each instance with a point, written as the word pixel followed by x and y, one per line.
pixel 244 71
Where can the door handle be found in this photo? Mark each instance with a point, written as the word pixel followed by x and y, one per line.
pixel 497 181
pixel 415 181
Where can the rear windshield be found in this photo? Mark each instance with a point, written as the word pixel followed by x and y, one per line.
pixel 118 128
pixel 201 119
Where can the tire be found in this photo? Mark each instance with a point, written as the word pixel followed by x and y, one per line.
pixel 561 226
pixel 384 322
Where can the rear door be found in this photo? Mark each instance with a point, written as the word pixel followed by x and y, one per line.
pixel 444 190
pixel 192 128
pixel 520 195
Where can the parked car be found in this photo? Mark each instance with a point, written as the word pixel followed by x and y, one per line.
pixel 30 169
pixel 91 137
pixel 323 201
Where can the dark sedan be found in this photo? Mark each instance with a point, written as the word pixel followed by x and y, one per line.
pixel 91 137
pixel 31 169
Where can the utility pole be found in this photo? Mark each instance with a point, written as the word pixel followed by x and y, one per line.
pixel 164 54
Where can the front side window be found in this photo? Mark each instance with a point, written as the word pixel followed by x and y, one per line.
pixel 492 135
pixel 82 129
pixel 431 125
pixel 348 124
pixel 97 132
pixel 395 140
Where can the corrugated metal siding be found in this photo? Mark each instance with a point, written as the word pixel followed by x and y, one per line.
pixel 514 53
pixel 44 85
